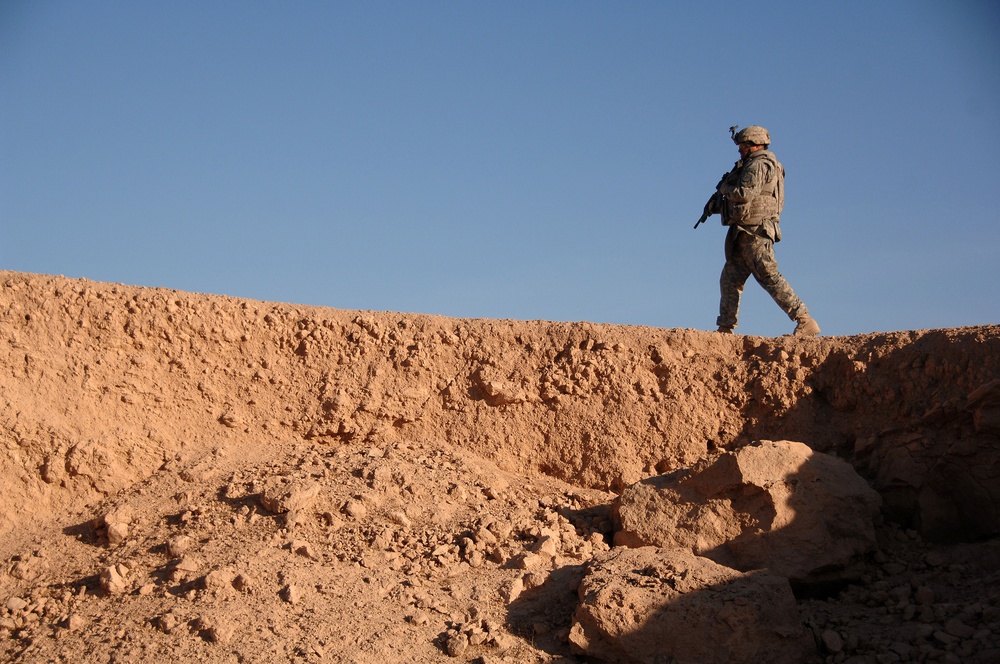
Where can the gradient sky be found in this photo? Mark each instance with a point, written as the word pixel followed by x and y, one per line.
pixel 526 160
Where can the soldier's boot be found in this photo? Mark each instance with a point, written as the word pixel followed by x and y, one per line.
pixel 807 327
pixel 725 329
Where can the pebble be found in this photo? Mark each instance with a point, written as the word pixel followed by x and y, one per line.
pixel 832 641
pixel 218 580
pixel 16 604
pixel 515 590
pixel 75 622
pixel 957 628
pixel 167 622
pixel 179 545
pixel 114 579
pixel 242 583
pixel 291 594
pixel 355 509
pixel 188 564
pixel 117 533
pixel 219 633
pixel 305 549
pixel 457 644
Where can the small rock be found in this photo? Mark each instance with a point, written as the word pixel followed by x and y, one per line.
pixel 457 644
pixel 242 583
pixel 547 546
pixel 295 518
pixel 75 622
pixel 218 580
pixel 530 561
pixel 355 509
pixel 904 650
pixel 16 604
pixel 219 633
pixel 178 546
pixel 956 627
pixel 117 533
pixel 894 568
pixel 936 559
pixel 188 564
pixel 533 579
pixel 280 498
pixel 400 518
pixel 833 642
pixel 291 594
pixel 305 549
pixel 516 588
pixel 419 618
pixel 114 579
pixel 167 622
pixel 123 515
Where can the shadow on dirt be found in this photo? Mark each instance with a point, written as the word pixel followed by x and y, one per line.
pixel 86 532
pixel 772 521
pixel 543 615
pixel 916 414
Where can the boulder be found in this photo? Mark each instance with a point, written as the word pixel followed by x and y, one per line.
pixel 669 605
pixel 775 505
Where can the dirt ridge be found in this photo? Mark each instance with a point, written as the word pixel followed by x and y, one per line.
pixel 118 396
pixel 599 406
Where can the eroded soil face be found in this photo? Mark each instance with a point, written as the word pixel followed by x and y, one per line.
pixel 201 477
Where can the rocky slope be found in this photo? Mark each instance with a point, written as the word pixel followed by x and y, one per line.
pixel 201 477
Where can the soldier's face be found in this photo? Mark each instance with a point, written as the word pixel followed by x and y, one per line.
pixel 747 148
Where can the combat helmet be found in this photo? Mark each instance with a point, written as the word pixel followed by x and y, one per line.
pixel 754 134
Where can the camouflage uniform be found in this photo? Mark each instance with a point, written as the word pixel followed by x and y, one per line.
pixel 748 254
pixel 750 198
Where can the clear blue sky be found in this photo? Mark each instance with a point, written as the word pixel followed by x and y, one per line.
pixel 526 160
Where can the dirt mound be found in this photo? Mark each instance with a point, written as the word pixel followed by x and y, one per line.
pixel 193 476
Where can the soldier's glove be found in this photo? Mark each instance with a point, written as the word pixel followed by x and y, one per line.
pixel 712 206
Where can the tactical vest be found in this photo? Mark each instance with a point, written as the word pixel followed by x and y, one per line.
pixel 767 205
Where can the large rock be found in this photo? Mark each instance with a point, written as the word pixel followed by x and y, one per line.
pixel 668 605
pixel 776 505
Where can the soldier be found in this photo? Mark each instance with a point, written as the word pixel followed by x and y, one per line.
pixel 750 198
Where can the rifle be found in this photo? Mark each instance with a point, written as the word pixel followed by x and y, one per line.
pixel 717 203
pixel 711 207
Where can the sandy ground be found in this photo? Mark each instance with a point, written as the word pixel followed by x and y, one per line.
pixel 201 478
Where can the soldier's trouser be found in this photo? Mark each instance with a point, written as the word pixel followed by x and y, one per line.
pixel 751 254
